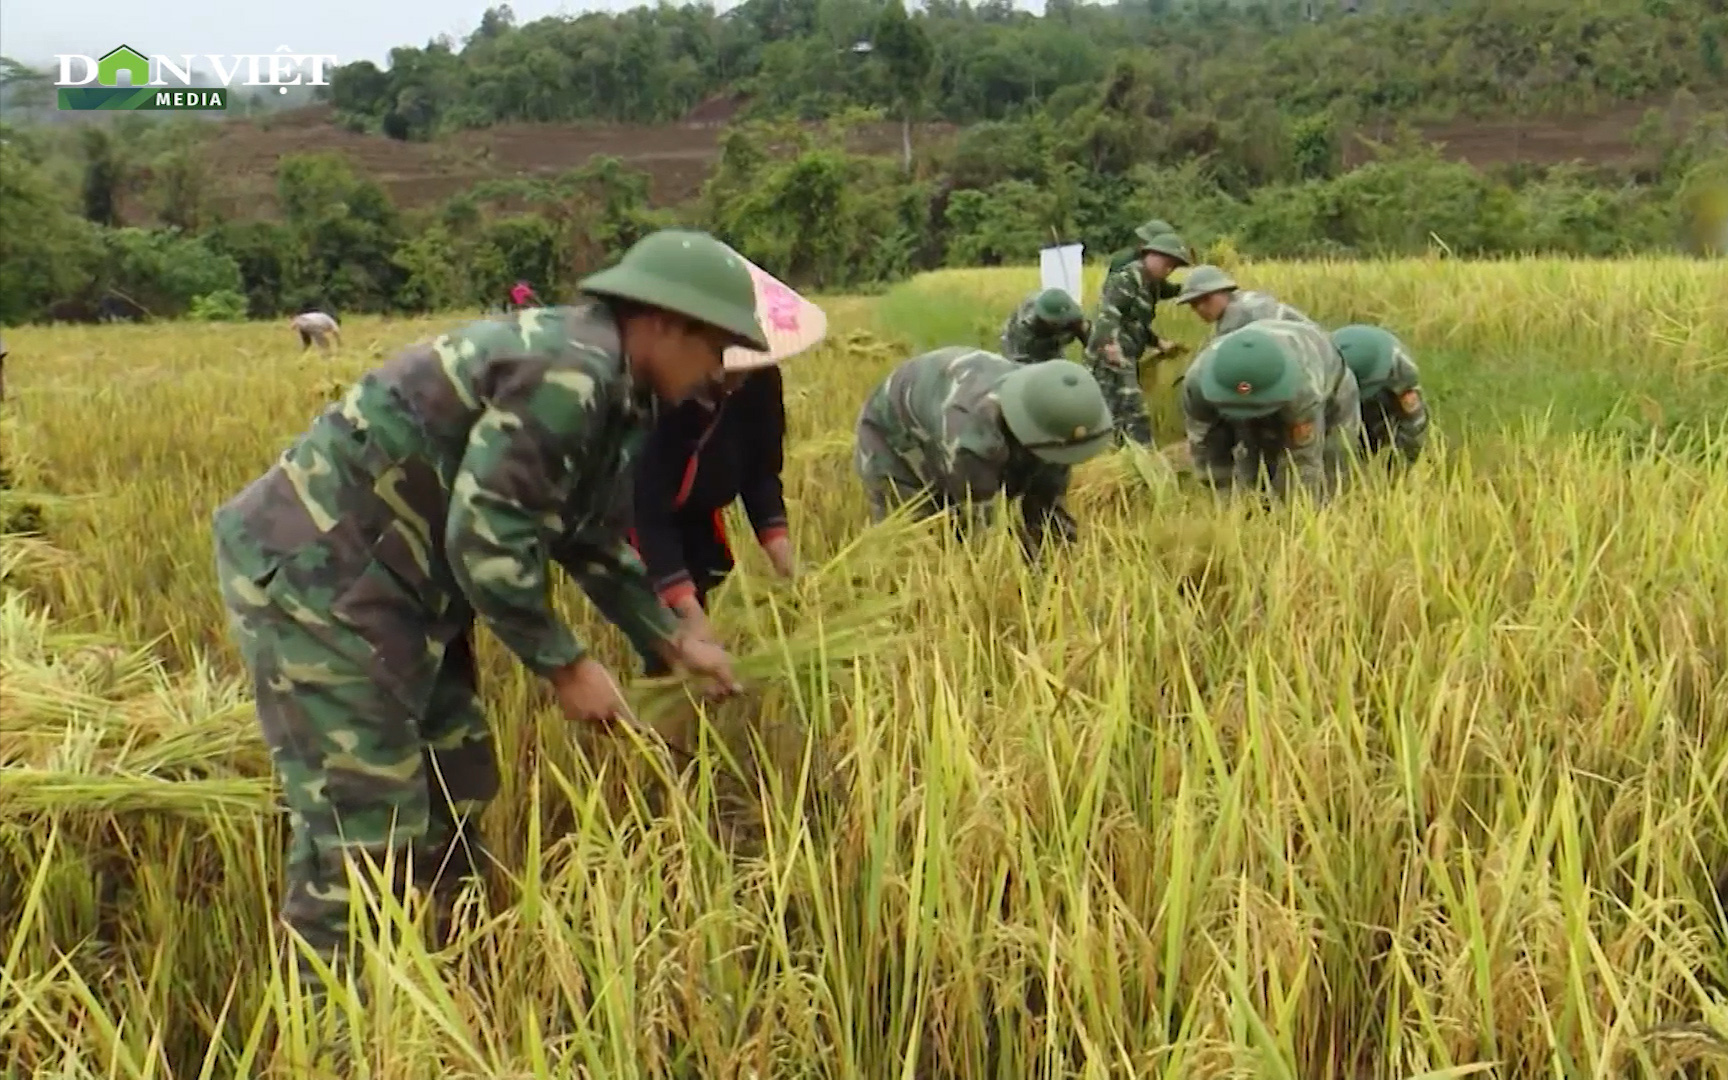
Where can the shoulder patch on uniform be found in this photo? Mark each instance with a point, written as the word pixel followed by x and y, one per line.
pixel 1410 401
pixel 1302 434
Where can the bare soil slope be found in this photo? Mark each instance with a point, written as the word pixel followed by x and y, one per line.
pixel 1601 139
pixel 678 157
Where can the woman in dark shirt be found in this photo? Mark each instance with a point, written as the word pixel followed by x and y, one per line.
pixel 701 456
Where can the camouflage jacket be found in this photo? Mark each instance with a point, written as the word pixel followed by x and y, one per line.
pixel 1028 340
pixel 940 419
pixel 458 468
pixel 1305 443
pixel 1121 334
pixel 1247 305
pixel 1397 414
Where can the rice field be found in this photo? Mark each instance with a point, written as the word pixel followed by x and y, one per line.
pixel 1428 783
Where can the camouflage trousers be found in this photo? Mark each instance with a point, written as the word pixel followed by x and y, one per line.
pixel 1268 469
pixel 889 485
pixel 376 736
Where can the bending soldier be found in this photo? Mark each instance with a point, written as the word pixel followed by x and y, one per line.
pixel 1122 331
pixel 1273 403
pixel 1394 411
pixel 316 328
pixel 1042 327
pixel 1214 296
pixel 950 430
pixel 353 569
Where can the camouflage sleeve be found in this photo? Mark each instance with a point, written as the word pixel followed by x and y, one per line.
pixel 506 503
pixel 1211 440
pixel 1410 420
pixel 1304 458
pixel 1113 355
pixel 612 576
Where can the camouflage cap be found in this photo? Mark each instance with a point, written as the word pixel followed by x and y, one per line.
pixel 690 273
pixel 1369 352
pixel 1248 374
pixel 1203 281
pixel 1057 308
pixel 1056 410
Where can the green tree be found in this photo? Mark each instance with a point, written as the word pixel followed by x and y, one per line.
pixel 107 175
pixel 181 175
pixel 22 87
pixel 47 252
pixel 904 48
pixel 341 233
pixel 164 270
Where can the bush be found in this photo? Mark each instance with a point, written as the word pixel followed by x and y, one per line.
pixel 223 305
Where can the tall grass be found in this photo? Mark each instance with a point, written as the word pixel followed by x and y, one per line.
pixel 1425 783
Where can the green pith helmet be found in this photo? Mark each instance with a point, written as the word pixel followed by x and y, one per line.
pixel 1056 410
pixel 1368 350
pixel 1168 244
pixel 1153 229
pixel 688 273
pixel 1057 308
pixel 1204 281
pixel 1249 374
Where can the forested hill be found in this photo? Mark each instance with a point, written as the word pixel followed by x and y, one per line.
pixel 957 135
pixel 1186 62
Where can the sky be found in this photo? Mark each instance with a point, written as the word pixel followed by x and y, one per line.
pixel 34 31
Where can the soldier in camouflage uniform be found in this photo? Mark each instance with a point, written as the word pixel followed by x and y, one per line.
pixel 950 430
pixel 1273 400
pixel 1394 412
pixel 1042 327
pixel 1122 330
pixel 437 489
pixel 1214 296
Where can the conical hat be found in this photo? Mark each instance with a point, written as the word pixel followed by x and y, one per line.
pixel 791 323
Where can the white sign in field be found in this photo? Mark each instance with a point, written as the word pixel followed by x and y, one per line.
pixel 1060 267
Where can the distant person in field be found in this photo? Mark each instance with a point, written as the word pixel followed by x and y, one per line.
pixel 1122 330
pixel 1278 391
pixel 949 431
pixel 724 444
pixel 1214 296
pixel 1394 410
pixel 316 328
pixel 1042 327
pixel 2 370
pixel 437 490
pixel 522 296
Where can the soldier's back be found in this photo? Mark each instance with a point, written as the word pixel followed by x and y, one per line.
pixel 391 448
pixel 921 399
pixel 1251 306
pixel 1311 347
